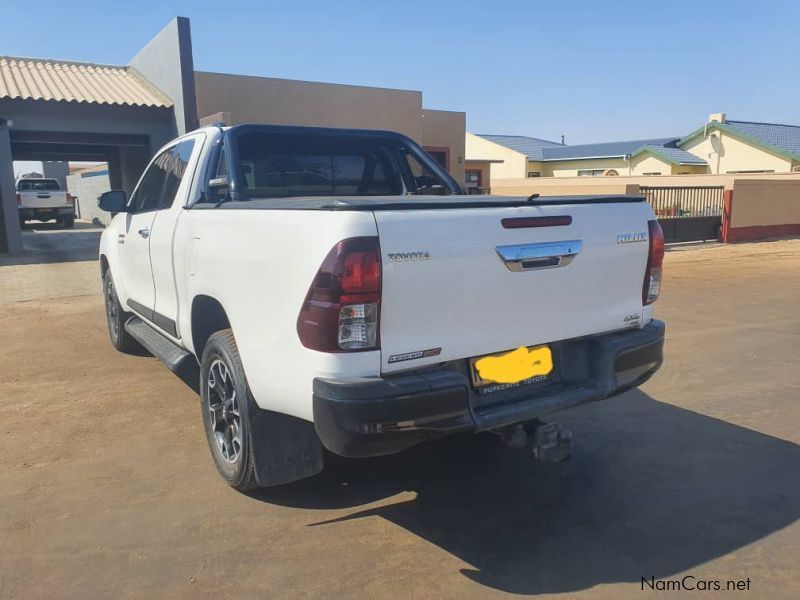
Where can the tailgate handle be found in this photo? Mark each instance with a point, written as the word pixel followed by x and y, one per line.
pixel 545 255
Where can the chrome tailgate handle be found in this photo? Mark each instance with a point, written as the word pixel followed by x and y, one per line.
pixel 545 255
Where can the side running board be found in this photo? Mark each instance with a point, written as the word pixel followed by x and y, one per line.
pixel 164 349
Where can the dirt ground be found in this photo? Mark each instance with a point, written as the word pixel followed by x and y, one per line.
pixel 107 488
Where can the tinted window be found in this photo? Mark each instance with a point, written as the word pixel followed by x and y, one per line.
pixel 27 185
pixel 175 167
pixel 280 165
pixel 148 195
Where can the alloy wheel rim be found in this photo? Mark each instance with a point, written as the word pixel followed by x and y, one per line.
pixel 223 407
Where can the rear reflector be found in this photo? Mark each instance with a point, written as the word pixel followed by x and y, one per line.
pixel 70 199
pixel 655 259
pixel 19 200
pixel 341 311
pixel 525 222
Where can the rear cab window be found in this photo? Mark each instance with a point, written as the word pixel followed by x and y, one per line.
pixel 38 185
pixel 266 163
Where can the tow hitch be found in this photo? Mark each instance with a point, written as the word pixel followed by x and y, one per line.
pixel 549 442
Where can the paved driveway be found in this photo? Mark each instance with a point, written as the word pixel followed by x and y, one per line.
pixel 107 488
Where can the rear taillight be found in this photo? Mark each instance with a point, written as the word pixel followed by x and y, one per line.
pixel 655 258
pixel 70 200
pixel 341 312
pixel 19 200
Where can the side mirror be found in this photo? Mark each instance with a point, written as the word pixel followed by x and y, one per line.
pixel 113 201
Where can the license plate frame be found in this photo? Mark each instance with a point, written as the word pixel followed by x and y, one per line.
pixel 484 386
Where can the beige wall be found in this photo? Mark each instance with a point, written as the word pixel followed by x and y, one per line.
pixel 519 186
pixel 564 187
pixel 647 163
pixel 446 129
pixel 570 168
pixel 513 165
pixel 731 154
pixel 650 163
pixel 765 202
pixel 288 102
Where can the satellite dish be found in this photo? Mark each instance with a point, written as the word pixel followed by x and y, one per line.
pixel 716 144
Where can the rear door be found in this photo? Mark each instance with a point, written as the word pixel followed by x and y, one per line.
pixel 180 168
pixel 457 283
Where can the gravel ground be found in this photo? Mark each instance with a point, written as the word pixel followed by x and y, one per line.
pixel 107 488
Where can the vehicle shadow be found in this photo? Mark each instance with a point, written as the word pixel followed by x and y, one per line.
pixel 651 490
pixel 51 243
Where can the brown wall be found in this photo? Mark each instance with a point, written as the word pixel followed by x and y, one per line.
pixel 761 209
pixel 288 102
pixel 446 129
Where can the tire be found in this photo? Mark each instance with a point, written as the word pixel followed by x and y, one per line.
pixel 21 223
pixel 69 222
pixel 116 317
pixel 224 401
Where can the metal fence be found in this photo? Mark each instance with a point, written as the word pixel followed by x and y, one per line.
pixel 685 202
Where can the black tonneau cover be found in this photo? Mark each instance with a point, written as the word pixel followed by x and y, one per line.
pixel 412 202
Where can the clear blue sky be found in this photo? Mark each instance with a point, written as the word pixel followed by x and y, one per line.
pixel 594 71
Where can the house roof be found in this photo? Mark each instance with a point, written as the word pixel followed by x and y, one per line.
pixel 63 81
pixel 783 137
pixel 602 150
pixel 544 150
pixel 780 139
pixel 529 146
pixel 671 154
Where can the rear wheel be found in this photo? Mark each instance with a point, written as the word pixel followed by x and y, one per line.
pixel 116 317
pixel 69 221
pixel 224 399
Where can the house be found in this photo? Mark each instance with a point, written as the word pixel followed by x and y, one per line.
pixel 721 146
pixel 745 146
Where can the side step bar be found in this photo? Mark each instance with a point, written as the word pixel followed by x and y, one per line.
pixel 164 349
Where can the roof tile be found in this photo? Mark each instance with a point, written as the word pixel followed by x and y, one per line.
pixel 62 81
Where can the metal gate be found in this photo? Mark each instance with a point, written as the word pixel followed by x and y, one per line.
pixel 687 213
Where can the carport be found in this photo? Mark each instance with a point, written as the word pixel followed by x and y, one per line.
pixel 62 110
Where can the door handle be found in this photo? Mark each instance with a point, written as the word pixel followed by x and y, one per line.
pixel 527 257
pixel 144 232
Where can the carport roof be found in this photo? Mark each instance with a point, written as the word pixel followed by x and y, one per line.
pixel 66 81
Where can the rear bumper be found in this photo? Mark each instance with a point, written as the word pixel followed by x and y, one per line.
pixel 46 213
pixel 375 416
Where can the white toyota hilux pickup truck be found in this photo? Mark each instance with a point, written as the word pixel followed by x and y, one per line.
pixel 338 290
pixel 43 199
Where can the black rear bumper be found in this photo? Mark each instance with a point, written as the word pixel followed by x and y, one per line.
pixel 375 416
pixel 46 213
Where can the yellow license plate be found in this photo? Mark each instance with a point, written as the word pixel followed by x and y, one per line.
pixel 517 366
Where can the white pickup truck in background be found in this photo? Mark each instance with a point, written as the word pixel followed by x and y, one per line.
pixel 43 199
pixel 338 290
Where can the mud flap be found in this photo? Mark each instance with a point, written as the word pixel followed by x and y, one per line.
pixel 285 448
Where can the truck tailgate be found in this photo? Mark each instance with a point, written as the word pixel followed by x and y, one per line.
pixel 453 286
pixel 42 199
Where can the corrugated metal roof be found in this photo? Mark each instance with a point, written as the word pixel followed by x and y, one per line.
pixel 602 150
pixel 676 155
pixel 782 137
pixel 529 146
pixel 61 81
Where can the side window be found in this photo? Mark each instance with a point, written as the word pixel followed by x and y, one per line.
pixel 148 195
pixel 175 167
